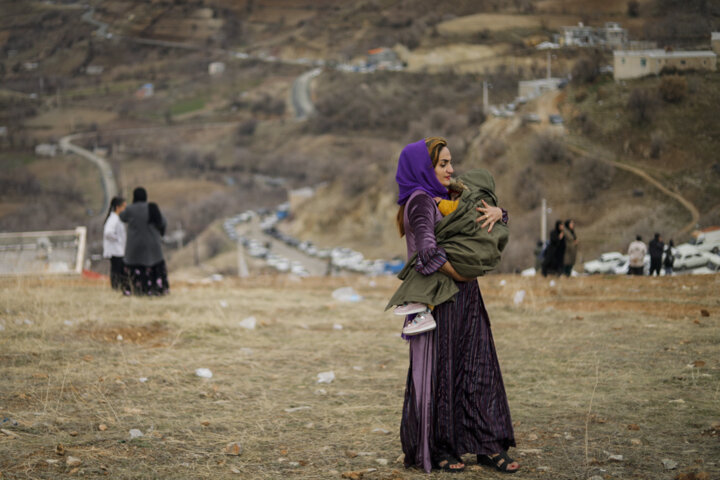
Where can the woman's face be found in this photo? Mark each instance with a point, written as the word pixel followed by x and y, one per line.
pixel 444 169
pixel 120 207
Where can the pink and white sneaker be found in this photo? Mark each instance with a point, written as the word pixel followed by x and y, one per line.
pixel 423 322
pixel 410 308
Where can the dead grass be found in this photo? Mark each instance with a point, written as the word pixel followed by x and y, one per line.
pixel 625 343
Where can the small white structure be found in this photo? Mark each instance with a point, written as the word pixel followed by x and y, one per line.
pixel 610 35
pixel 216 68
pixel 534 88
pixel 715 42
pixel 46 149
pixel 146 91
pixel 94 69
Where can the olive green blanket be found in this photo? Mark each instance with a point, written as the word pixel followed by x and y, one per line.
pixel 471 250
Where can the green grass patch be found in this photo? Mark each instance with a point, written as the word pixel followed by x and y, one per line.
pixel 187 106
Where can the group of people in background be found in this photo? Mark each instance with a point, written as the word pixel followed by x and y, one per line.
pixel 558 256
pixel 137 266
pixel 661 256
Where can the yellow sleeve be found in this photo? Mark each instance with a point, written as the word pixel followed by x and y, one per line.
pixel 446 207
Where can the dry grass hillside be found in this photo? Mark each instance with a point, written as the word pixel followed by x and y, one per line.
pixel 614 377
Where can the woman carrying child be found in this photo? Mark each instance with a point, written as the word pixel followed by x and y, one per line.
pixel 455 401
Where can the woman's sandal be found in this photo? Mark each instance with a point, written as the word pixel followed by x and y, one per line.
pixel 446 462
pixel 501 462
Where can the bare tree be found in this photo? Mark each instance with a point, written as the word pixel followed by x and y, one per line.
pixel 641 106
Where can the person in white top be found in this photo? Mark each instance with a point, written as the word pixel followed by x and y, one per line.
pixel 636 256
pixel 114 239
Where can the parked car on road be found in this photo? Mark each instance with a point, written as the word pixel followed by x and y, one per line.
pixel 689 256
pixel 555 119
pixel 605 264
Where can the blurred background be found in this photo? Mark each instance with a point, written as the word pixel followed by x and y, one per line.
pixel 273 127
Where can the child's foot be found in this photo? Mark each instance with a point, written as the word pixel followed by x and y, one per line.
pixel 410 308
pixel 423 322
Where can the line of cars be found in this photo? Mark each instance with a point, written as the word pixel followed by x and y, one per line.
pixel 688 258
pixel 339 258
pixel 258 249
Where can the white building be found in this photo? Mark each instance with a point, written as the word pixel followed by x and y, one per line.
pixel 216 68
pixel 640 63
pixel 534 88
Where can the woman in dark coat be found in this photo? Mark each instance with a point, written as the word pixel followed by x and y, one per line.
pixel 455 401
pixel 145 265
pixel 553 261
pixel 571 246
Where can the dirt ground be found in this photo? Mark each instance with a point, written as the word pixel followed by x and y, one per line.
pixel 607 377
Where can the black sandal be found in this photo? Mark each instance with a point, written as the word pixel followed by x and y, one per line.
pixel 501 462
pixel 448 461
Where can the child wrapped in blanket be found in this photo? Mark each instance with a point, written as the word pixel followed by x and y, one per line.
pixel 472 250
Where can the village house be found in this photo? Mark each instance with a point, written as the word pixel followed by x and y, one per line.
pixel 534 88
pixel 611 35
pixel 640 63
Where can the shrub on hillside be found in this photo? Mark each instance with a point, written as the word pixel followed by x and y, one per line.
pixel 494 149
pixel 548 149
pixel 476 115
pixel 591 176
pixel 584 123
pixel 673 88
pixel 527 189
pixel 587 68
pixel 657 143
pixel 633 8
pixel 641 106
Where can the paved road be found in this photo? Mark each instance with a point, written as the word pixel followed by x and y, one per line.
pixel 300 94
pixel 110 188
pixel 314 266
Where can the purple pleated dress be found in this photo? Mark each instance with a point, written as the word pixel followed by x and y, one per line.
pixel 455 400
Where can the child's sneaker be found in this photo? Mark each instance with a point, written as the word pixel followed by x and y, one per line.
pixel 409 309
pixel 423 322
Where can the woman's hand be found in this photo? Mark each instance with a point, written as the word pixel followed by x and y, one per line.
pixel 490 215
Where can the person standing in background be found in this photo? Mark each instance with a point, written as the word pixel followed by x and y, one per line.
pixel 669 258
pixel 555 251
pixel 636 256
pixel 144 262
pixel 114 238
pixel 571 243
pixel 656 249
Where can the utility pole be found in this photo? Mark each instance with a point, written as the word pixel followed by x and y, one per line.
pixel 242 264
pixel 486 104
pixel 543 221
pixel 548 65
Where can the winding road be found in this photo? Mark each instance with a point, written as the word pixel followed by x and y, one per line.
pixel 110 188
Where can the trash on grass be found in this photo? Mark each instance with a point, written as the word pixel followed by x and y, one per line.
pixel 346 294
pixel 135 433
pixel 326 377
pixel 519 297
pixel 203 372
pixel 249 323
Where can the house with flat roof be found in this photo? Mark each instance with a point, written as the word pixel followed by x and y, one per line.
pixel 534 88
pixel 640 63
pixel 611 35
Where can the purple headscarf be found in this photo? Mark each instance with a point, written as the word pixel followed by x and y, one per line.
pixel 415 172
